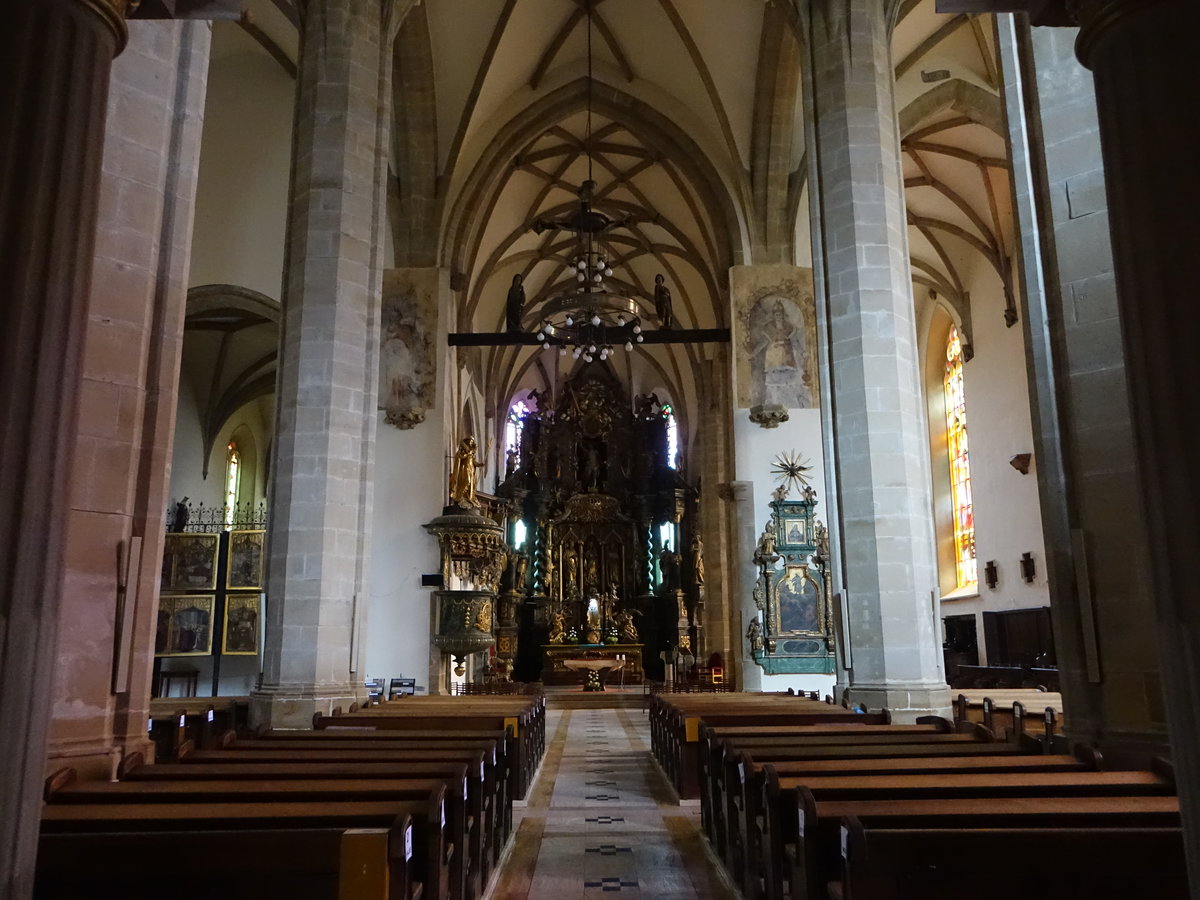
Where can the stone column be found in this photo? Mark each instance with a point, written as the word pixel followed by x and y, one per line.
pixel 128 395
pixel 328 378
pixel 1143 57
pixel 55 58
pixel 880 438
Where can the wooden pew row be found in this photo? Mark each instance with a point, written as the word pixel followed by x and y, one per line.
pixel 199 719
pixel 300 864
pixel 731 797
pixel 63 789
pixel 484 843
pixel 524 716
pixel 496 773
pixel 723 787
pixel 880 863
pixel 813 858
pixel 778 822
pixel 505 743
pixel 415 848
pixel 680 751
pixel 1013 714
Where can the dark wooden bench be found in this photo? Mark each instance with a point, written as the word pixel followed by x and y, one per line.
pixel 485 839
pixel 300 864
pixel 415 850
pixel 348 748
pixel 802 841
pixel 62 788
pixel 880 863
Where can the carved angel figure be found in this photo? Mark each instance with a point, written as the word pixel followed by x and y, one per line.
pixel 558 632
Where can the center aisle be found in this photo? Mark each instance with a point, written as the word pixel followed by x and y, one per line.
pixel 601 819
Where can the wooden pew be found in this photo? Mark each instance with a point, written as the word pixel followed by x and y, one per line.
pixel 498 823
pixel 340 748
pixel 415 846
pixel 518 733
pixel 301 864
pixel 679 750
pixel 484 844
pixel 803 840
pixel 62 788
pixel 879 863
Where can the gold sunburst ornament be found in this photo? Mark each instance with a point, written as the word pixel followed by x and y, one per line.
pixel 790 469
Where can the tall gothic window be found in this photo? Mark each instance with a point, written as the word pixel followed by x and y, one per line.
pixel 514 425
pixel 233 473
pixel 960 466
pixel 672 434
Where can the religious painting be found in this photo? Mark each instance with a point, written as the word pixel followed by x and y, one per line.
pixel 792 531
pixel 776 337
pixel 240 635
pixel 189 562
pixel 184 625
pixel 245 562
pixel 408 352
pixel 798 601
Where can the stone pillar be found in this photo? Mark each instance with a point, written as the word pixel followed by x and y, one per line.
pixel 328 378
pixel 880 439
pixel 1105 633
pixel 128 394
pixel 56 57
pixel 1143 57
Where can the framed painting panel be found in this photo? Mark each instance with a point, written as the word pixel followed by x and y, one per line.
pixel 245 569
pixel 243 617
pixel 798 602
pixel 185 625
pixel 190 562
pixel 792 531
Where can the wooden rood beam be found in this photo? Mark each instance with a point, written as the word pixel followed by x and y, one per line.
pixel 615 336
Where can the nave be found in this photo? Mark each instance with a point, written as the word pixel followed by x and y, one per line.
pixel 601 818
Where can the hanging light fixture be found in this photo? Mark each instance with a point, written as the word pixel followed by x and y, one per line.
pixel 587 316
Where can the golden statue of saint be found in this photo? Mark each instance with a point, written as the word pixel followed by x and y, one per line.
pixel 463 476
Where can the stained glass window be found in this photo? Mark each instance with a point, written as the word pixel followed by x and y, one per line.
pixel 960 466
pixel 233 474
pixel 516 422
pixel 672 435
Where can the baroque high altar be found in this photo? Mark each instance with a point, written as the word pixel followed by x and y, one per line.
pixel 599 513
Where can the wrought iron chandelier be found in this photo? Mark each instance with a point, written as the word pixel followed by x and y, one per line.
pixel 588 320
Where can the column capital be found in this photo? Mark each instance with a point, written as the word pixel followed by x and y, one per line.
pixel 113 13
pixel 1099 19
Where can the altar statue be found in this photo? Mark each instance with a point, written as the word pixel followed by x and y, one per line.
pixel 624 623
pixel 698 559
pixel 558 630
pixel 463 476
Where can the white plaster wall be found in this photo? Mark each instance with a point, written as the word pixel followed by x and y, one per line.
pixel 1007 513
pixel 187 451
pixel 245 160
pixel 187 468
pixel 409 490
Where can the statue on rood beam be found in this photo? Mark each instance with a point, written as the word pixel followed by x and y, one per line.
pixel 515 305
pixel 662 302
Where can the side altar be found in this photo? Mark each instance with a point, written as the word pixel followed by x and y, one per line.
pixel 556 656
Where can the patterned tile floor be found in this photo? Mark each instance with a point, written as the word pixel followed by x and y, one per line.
pixel 600 819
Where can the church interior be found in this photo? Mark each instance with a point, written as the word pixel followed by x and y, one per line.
pixel 583 398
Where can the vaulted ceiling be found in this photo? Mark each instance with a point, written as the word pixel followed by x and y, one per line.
pixel 696 134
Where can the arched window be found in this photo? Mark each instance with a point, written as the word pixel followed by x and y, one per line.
pixel 672 435
pixel 233 475
pixel 514 425
pixel 960 465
